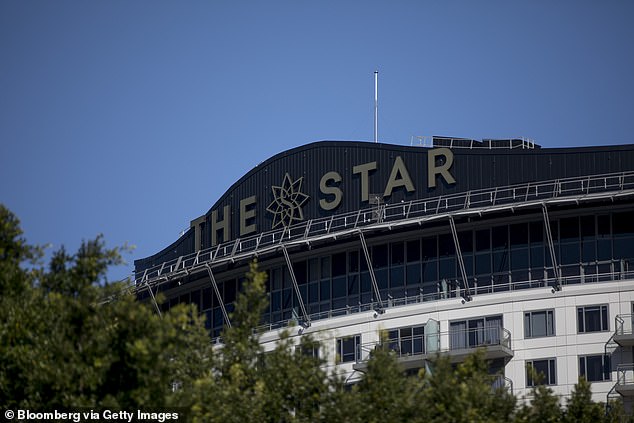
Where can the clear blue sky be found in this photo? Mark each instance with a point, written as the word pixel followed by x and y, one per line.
pixel 130 118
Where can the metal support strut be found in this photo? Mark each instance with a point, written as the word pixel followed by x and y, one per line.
pixel 158 309
pixel 296 286
pixel 551 247
pixel 375 286
pixel 463 272
pixel 220 300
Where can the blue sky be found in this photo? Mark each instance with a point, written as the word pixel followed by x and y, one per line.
pixel 130 118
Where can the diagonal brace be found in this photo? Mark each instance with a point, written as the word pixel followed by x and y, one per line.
pixel 551 247
pixel 220 300
pixel 296 286
pixel 375 286
pixel 463 272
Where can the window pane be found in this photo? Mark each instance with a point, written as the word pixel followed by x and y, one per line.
pixel 519 235
pixel 429 249
pixel 539 324
pixel 398 253
pixel 338 264
pixel 413 274
pixel 465 240
pixel 482 241
pixel 499 237
pixel 594 368
pixel 379 256
pixel 592 319
pixel 413 251
pixel 446 246
pixel 353 261
pixel 536 233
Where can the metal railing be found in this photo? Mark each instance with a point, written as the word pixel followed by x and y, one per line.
pixel 388 215
pixel 452 294
pixel 623 324
pixel 445 342
pixel 625 374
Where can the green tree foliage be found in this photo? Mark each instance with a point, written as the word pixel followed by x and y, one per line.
pixel 581 408
pixel 62 346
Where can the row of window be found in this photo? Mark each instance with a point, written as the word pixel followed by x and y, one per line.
pixel 590 318
pixel 407 341
pixel 496 258
pixel 594 368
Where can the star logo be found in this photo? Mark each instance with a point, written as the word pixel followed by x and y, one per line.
pixel 287 202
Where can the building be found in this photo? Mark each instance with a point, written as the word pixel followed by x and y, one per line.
pixel 524 251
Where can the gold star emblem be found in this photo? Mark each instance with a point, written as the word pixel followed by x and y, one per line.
pixel 287 202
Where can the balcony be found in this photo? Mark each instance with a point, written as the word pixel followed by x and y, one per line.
pixel 457 344
pixel 625 380
pixel 623 334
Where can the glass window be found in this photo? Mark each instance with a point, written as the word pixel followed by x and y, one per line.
pixel 325 267
pixel 474 333
pixel 483 264
pixel 587 227
pixel 413 251
pixel 276 278
pixel 539 323
pixel 482 240
pixel 499 237
pixel 569 229
pixel 299 268
pixel 595 368
pixel 446 245
pixel 407 340
pixel 313 269
pixel 536 233
pixel 353 261
pixel 353 285
pixel 603 226
pixel 230 291
pixel 519 259
pixel 413 274
pixel 339 287
pixel 429 249
pixel 348 349
pixel 623 224
pixel 309 349
pixel 398 254
pixel 541 372
pixel 592 318
pixel 397 276
pixel 519 235
pixel 324 290
pixel 338 264
pixel 379 256
pixel 206 299
pixel 465 239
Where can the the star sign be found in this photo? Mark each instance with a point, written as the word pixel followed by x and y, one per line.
pixel 287 202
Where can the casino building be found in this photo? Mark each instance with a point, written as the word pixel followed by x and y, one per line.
pixel 525 252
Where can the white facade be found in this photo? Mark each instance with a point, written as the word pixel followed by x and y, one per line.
pixel 565 346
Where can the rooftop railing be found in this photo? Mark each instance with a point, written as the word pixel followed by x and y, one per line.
pixel 390 215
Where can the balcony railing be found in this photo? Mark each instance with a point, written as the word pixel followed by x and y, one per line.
pixel 454 293
pixel 623 324
pixel 390 215
pixel 457 343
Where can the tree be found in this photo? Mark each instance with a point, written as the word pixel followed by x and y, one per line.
pixel 70 340
pixel 581 408
pixel 63 347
